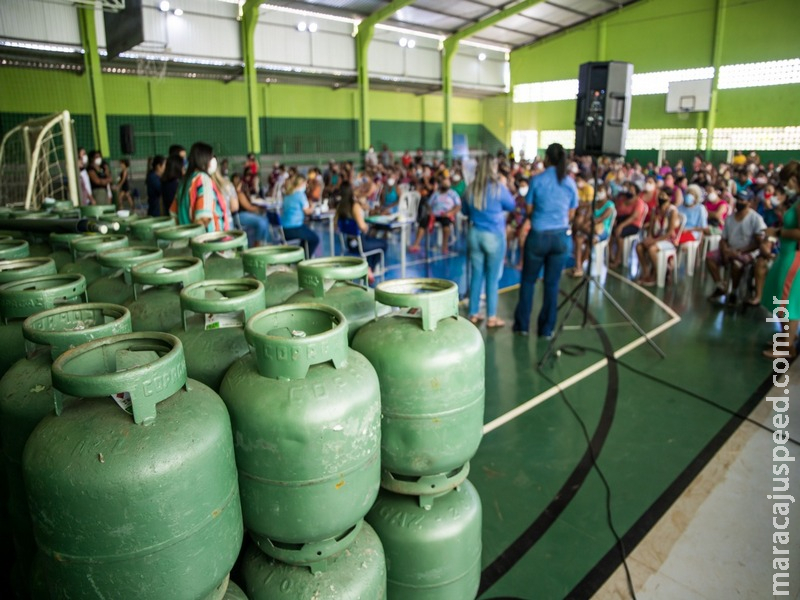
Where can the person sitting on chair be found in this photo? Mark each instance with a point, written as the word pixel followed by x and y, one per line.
pixel 631 213
pixel 741 241
pixel 352 209
pixel 444 204
pixel 295 209
pixel 581 228
pixel 663 235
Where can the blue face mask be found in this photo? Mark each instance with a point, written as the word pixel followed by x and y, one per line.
pixel 688 200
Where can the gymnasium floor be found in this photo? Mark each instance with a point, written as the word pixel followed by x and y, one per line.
pixel 654 425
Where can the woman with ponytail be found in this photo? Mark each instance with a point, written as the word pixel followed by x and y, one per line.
pixel 488 200
pixel 552 200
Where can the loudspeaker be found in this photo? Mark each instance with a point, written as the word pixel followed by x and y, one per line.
pixel 126 141
pixel 603 109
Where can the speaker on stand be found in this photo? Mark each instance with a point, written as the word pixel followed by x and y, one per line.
pixel 603 109
pixel 126 141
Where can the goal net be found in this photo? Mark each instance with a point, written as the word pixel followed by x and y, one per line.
pixel 38 160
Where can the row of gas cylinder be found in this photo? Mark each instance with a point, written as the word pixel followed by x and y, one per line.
pixel 149 414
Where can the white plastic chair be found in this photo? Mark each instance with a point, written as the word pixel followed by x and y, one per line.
pixel 409 204
pixel 600 256
pixel 688 252
pixel 710 243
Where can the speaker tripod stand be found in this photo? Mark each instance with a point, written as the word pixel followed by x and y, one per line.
pixel 585 285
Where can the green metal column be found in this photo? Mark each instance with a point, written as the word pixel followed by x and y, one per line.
pixel 364 37
pixel 249 21
pixel 450 47
pixel 91 58
pixel 716 60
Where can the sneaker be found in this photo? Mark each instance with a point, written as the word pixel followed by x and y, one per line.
pixel 520 333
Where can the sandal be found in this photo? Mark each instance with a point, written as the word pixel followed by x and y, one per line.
pixel 495 322
pixel 576 273
pixel 475 319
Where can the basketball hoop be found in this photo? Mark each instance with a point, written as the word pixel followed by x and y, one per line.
pixel 152 69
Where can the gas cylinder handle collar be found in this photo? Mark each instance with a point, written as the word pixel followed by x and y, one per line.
pixel 437 299
pixel 313 274
pixel 219 241
pixel 215 296
pixel 146 367
pixel 288 339
pixel 167 271
pixel 257 262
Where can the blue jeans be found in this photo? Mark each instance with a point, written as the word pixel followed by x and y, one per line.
pixel 486 253
pixel 305 233
pixel 549 249
pixel 255 225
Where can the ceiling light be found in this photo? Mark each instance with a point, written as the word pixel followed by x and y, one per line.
pixel 482 56
pixel 312 27
pixel 403 42
pixel 302 26
pixel 163 6
pixel 411 43
pixel 178 12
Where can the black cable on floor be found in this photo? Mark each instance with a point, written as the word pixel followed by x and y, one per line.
pixel 578 350
pixel 609 519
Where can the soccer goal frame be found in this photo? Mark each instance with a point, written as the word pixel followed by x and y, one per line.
pixel 38 160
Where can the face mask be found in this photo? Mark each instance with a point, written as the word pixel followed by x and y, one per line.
pixel 212 165
pixel 390 182
pixel 581 185
pixel 601 195
pixel 419 173
pixel 740 206
pixel 84 160
pixel 98 162
pixel 650 186
pixel 523 191
pixel 761 181
pixel 774 201
pixel 456 177
pixel 444 188
pixel 791 194
pixel 688 200
pixel 712 197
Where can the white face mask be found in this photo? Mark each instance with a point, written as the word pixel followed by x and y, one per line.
pixel 601 195
pixel 390 182
pixel 456 177
pixel 712 197
pixel 688 200
pixel 85 160
pixel 775 202
pixel 212 165
pixel 650 186
pixel 98 161
pixel 523 191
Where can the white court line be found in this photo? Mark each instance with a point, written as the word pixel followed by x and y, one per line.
pixel 581 375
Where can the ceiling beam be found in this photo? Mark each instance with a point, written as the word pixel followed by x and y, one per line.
pixel 498 16
pixel 574 11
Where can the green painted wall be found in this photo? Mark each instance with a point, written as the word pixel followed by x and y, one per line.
pixel 660 35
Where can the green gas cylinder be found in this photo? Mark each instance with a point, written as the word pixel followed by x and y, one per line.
pixel 21 299
pixel 329 281
pixel 97 211
pixel 144 230
pixel 174 241
pixel 305 411
pixel 432 553
pixel 273 266
pixel 214 316
pixel 221 253
pixel 132 482
pixel 157 285
pixel 115 284
pixel 14 248
pixel 26 396
pixel 431 367
pixel 84 254
pixel 23 268
pixel 358 573
pixel 60 250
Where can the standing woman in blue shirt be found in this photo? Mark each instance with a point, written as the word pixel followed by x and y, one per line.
pixel 488 202
pixel 552 200
pixel 295 210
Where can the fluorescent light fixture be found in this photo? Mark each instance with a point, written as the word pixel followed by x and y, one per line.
pixel 312 27
pixel 403 42
pixel 302 26
pixel 404 31
pixel 411 43
pixel 482 56
pixel 178 12
pixel 42 47
pixel 163 6
pixel 309 13
pixel 502 49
